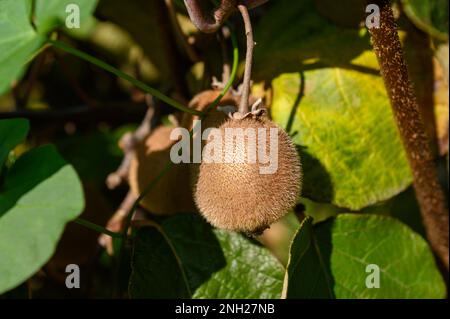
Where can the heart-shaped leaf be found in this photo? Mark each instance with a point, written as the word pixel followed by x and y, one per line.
pixel 20 39
pixel 361 256
pixel 41 193
pixel 185 257
pixel 351 152
pixel 328 94
pixel 50 14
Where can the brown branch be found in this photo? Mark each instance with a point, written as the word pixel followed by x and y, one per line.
pixel 253 3
pixel 128 143
pixel 210 22
pixel 429 193
pixel 243 105
pixel 116 222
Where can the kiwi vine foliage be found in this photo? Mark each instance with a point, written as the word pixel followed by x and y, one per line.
pixel 316 69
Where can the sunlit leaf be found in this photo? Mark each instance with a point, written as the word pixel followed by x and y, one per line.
pixel 340 258
pixel 328 94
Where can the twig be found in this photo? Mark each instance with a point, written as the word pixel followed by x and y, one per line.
pixel 429 193
pixel 243 105
pixel 128 216
pixel 116 222
pixel 118 113
pixel 253 3
pixel 128 143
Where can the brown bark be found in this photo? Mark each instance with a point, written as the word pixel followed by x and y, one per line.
pixel 430 195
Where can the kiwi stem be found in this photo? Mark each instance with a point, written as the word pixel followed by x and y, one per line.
pixel 429 192
pixel 128 143
pixel 243 105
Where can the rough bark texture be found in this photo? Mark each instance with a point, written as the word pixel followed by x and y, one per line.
pixel 430 195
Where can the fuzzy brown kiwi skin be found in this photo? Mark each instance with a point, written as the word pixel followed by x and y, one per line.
pixel 215 118
pixel 172 194
pixel 237 197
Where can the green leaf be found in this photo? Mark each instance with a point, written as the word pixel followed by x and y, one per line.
pixel 308 270
pixel 185 257
pixel 12 132
pixel 50 14
pixel 329 96
pixel 403 207
pixel 41 193
pixel 430 16
pixel 351 152
pixel 19 41
pixel 330 260
pixel 294 36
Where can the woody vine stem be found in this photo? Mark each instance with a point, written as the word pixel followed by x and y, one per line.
pixel 243 105
pixel 430 194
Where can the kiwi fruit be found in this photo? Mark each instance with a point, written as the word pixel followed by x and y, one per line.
pixel 172 194
pixel 215 118
pixel 236 196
